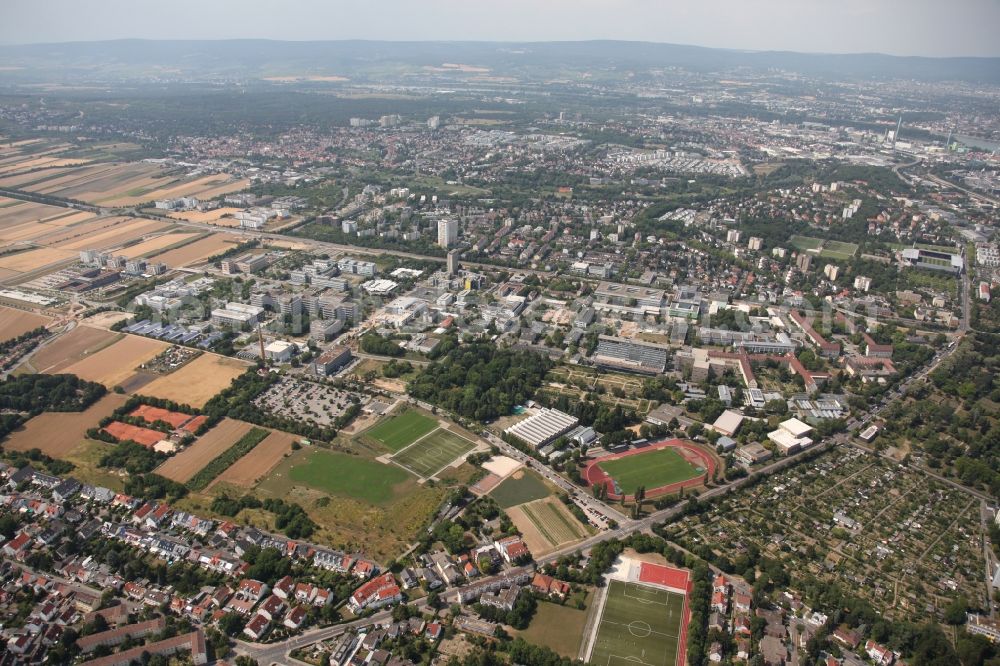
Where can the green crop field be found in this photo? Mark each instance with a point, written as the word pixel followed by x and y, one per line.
pixel 349 476
pixel 432 453
pixel 399 431
pixel 553 522
pixel 640 626
pixel 514 491
pixel 651 469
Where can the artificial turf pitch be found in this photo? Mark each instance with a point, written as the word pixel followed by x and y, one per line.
pixel 399 431
pixel 640 626
pixel 433 453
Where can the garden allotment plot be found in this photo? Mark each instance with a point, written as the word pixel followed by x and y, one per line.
pixel 640 626
pixel 429 455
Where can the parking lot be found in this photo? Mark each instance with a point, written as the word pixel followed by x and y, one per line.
pixel 306 401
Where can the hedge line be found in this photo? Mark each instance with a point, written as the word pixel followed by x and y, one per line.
pixel 243 446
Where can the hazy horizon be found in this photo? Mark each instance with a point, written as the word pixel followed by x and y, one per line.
pixel 892 27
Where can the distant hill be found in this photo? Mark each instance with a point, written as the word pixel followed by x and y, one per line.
pixel 383 60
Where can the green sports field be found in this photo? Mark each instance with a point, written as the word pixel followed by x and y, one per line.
pixel 348 476
pixel 806 242
pixel 651 469
pixel 640 626
pixel 399 431
pixel 432 453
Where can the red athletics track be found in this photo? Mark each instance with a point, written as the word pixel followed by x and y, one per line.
pixel 595 475
pixel 677 580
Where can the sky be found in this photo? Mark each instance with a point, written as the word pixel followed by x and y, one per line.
pixel 898 27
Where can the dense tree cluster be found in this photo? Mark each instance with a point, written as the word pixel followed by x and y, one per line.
pixel 154 486
pixel 373 343
pixel 950 418
pixel 518 617
pixel 479 381
pixel 38 460
pixel 132 457
pixel 34 394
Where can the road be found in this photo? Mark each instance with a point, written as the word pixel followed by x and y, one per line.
pixel 278 653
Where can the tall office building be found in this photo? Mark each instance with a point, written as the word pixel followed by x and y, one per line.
pixel 453 257
pixel 447 232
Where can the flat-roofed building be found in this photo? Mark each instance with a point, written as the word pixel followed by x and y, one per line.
pixel 630 355
pixel 627 298
pixel 539 429
pixel 237 315
pixel 791 436
pixel 330 361
pixel 728 423
pixel 752 454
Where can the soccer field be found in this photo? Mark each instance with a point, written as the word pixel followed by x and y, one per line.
pixel 432 453
pixel 399 431
pixel 652 469
pixel 640 626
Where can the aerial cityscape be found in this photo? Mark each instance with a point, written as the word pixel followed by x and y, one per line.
pixel 326 349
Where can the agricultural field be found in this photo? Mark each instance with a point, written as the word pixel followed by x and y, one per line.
pixel 400 430
pixel 546 524
pixel 223 217
pixel 640 626
pixel 15 322
pixel 123 184
pixel 220 463
pixel 520 487
pixel 156 244
pixel 57 433
pixel 106 233
pixel 431 454
pixel 117 363
pixel 67 349
pixel 196 382
pixel 182 466
pixel 36 259
pixel 199 250
pixel 254 466
pixel 651 469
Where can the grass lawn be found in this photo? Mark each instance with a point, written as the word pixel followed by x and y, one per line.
pixel 640 625
pixel 806 242
pixel 557 627
pixel 840 247
pixel 432 453
pixel 351 476
pixel 652 469
pixel 399 431
pixel 519 489
pixel 85 456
